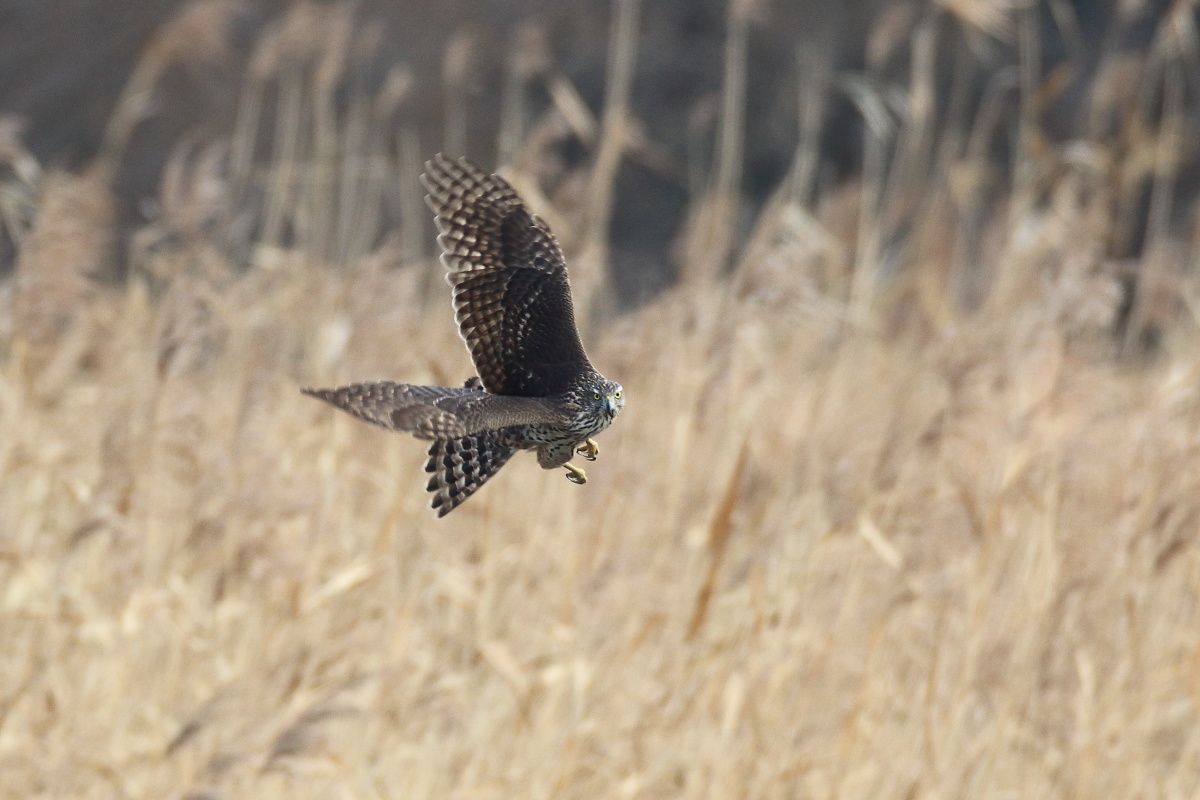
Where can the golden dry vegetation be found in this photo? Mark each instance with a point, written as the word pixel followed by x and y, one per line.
pixel 922 534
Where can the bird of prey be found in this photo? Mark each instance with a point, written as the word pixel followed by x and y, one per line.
pixel 535 389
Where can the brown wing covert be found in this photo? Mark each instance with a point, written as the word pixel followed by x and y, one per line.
pixel 512 299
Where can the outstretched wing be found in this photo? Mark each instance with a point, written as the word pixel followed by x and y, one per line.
pixel 511 295
pixel 461 466
pixel 427 412
pixel 475 432
pixel 440 412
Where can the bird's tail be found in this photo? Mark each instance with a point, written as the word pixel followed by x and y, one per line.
pixel 460 466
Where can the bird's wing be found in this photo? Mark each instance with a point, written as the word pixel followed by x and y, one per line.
pixel 441 412
pixel 401 407
pixel 511 295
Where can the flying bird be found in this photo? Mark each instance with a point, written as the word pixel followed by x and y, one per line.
pixel 535 388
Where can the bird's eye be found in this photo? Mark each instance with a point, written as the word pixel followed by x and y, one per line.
pixel 595 395
pixel 617 395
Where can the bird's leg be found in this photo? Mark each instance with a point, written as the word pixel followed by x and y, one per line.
pixel 589 449
pixel 575 474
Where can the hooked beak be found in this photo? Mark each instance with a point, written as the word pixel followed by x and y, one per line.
pixel 610 406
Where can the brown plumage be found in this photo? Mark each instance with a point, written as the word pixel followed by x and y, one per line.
pixel 536 389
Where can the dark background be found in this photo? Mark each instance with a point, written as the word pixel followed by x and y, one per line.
pixel 64 64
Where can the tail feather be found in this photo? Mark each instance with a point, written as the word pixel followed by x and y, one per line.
pixel 460 466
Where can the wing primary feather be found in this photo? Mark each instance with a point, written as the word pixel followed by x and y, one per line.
pixel 512 298
pixel 401 407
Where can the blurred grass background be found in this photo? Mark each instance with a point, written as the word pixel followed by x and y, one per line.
pixel 903 504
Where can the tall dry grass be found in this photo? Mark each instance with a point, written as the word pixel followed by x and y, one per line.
pixel 888 513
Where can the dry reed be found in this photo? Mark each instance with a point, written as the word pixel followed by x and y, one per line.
pixel 852 536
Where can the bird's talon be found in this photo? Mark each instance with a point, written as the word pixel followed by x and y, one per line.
pixel 589 449
pixel 575 474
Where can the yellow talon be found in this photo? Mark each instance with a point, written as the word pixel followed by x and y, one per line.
pixel 575 474
pixel 589 449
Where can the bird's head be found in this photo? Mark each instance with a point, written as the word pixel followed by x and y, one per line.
pixel 606 398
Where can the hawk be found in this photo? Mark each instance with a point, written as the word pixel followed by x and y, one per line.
pixel 535 389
